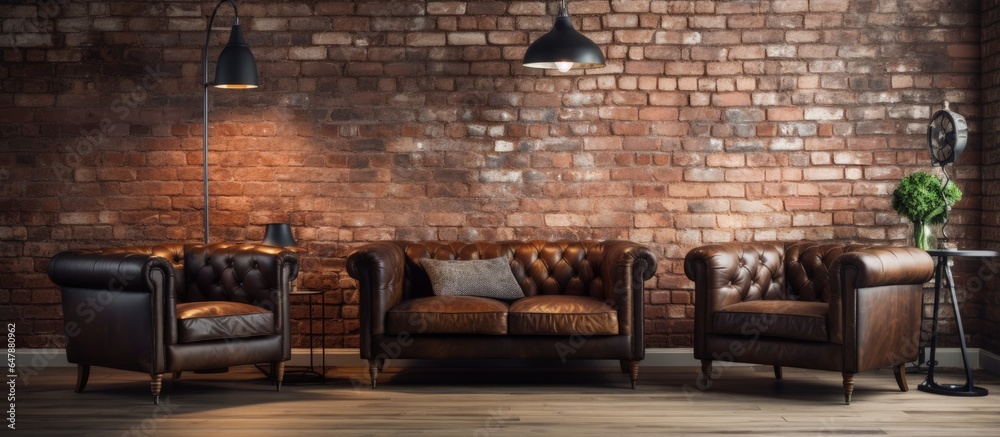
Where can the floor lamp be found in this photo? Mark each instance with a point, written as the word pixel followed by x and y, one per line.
pixel 235 69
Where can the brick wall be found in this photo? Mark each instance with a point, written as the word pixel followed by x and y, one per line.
pixel 991 167
pixel 713 121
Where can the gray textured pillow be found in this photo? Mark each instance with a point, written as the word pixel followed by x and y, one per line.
pixel 487 278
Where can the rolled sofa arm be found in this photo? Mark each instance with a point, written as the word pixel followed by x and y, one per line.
pixel 868 292
pixel 106 270
pixel 878 266
pixel 114 296
pixel 379 269
pixel 624 269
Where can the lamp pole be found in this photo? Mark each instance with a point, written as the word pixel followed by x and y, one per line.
pixel 204 139
pixel 235 69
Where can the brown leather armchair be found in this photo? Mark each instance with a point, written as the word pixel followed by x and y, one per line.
pixel 583 300
pixel 841 307
pixel 171 308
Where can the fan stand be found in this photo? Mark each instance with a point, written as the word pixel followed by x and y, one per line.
pixel 945 243
pixel 956 135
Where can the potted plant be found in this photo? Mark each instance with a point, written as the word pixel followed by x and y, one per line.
pixel 921 198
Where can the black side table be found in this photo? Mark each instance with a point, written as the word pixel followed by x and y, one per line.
pixel 943 269
pixel 309 374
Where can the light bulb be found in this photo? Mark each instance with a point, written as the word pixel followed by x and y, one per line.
pixel 563 66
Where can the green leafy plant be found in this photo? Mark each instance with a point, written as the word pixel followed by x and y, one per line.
pixel 919 198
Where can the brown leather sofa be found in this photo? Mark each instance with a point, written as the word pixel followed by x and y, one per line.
pixel 583 300
pixel 842 307
pixel 172 308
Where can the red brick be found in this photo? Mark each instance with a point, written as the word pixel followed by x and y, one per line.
pixel 417 121
pixel 630 128
pixel 725 160
pixel 731 99
pixel 588 7
pixel 466 38
pixel 34 100
pixel 446 8
pixel 668 99
pixel 784 114
pixel 658 114
pixel 618 113
pixel 802 203
pixel 685 68
pixel 812 219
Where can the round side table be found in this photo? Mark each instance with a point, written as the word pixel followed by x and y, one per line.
pixel 943 269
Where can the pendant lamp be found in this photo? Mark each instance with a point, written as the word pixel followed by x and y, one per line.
pixel 236 69
pixel 563 48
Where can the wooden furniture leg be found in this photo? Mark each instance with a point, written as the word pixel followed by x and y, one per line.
pixel 633 372
pixel 848 387
pixel 155 386
pixel 279 374
pixel 374 366
pixel 706 374
pixel 82 375
pixel 900 371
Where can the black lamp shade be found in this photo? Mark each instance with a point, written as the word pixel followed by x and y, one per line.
pixel 279 235
pixel 563 48
pixel 236 67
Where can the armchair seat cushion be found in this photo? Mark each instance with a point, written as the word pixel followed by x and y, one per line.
pixel 774 318
pixel 448 315
pixel 562 315
pixel 217 320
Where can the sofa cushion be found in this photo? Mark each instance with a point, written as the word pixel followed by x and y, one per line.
pixel 562 315
pixel 448 315
pixel 217 320
pixel 481 277
pixel 774 318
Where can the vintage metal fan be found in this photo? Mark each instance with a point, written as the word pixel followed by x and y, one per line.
pixel 947 135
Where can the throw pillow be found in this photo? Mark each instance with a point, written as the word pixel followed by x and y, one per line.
pixel 486 278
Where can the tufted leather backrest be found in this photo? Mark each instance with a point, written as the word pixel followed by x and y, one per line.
pixel 561 267
pixel 760 273
pixel 808 268
pixel 540 267
pixel 768 270
pixel 230 272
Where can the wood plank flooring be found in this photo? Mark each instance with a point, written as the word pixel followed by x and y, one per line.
pixel 501 402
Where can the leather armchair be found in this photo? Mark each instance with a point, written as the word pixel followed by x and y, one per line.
pixel 840 307
pixel 172 308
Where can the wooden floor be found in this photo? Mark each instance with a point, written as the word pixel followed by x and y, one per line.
pixel 501 402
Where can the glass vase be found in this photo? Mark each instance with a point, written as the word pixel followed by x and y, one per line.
pixel 923 236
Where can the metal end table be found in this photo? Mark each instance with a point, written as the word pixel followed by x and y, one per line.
pixel 943 269
pixel 309 374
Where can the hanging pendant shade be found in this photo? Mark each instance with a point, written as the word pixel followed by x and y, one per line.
pixel 563 48
pixel 236 67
